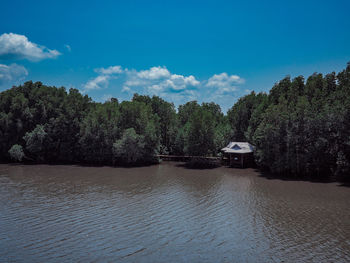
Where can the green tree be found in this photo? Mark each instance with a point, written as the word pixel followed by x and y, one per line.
pixel 186 110
pixel 98 131
pixel 167 120
pixel 35 142
pixel 240 114
pixel 130 149
pixel 201 134
pixel 16 153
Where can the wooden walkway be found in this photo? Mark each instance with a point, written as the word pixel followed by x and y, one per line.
pixel 185 158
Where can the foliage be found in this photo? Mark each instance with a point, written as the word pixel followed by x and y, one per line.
pixel 16 152
pixel 24 107
pixel 166 113
pixel 130 148
pixel 36 142
pixel 203 129
pixel 98 132
pixel 301 128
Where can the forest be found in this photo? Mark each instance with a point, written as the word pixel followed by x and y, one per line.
pixel 300 128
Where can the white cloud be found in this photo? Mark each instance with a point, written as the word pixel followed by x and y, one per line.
pixel 110 70
pixel 172 87
pixel 179 82
pixel 224 84
pixel 11 74
pixel 161 82
pixel 18 46
pixel 224 80
pixel 102 80
pixel 97 83
pixel 226 90
pixel 154 89
pixel 159 79
pixel 154 73
pixel 126 89
pixel 68 47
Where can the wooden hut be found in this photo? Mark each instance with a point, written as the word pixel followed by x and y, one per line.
pixel 238 154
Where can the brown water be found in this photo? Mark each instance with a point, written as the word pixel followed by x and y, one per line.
pixel 167 213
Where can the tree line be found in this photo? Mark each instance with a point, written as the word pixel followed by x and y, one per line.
pixel 301 127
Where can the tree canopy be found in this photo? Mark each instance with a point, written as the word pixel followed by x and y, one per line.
pixel 301 127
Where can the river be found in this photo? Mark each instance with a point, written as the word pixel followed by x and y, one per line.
pixel 167 213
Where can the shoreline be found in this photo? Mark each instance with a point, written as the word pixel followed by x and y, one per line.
pixel 181 164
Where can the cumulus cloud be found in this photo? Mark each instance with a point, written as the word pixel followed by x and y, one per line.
pixel 110 70
pixel 97 83
pixel 19 47
pixel 154 73
pixel 224 80
pixel 173 87
pixel 102 80
pixel 179 82
pixel 159 79
pixel 226 90
pixel 224 85
pixel 11 74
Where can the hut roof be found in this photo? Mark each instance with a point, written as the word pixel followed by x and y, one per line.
pixel 238 147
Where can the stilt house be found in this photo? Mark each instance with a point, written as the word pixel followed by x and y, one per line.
pixel 239 154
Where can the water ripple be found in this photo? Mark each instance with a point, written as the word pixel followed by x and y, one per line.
pixel 166 213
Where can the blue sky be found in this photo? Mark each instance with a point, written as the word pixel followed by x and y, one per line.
pixel 180 50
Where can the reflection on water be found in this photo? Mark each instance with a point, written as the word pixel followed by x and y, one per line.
pixel 166 213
